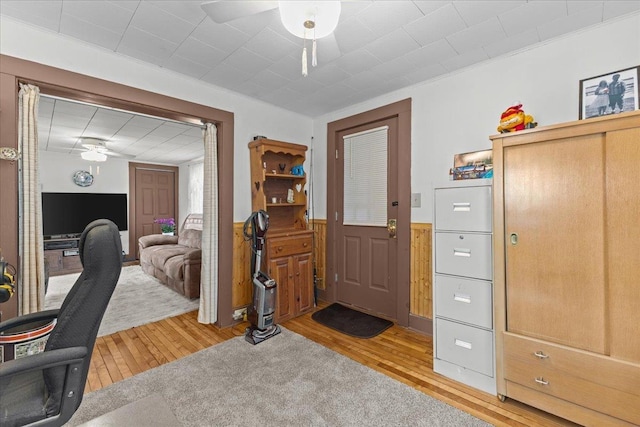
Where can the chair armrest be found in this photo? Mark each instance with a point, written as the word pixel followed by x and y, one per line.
pixel 156 239
pixel 44 360
pixel 193 255
pixel 29 318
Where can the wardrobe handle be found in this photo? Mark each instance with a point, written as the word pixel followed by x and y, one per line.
pixel 541 380
pixel 541 355
pixel 513 238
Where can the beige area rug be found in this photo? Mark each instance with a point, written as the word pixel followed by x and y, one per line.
pixel 137 300
pixel 287 380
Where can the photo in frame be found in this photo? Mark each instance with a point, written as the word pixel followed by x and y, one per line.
pixel 477 164
pixel 610 93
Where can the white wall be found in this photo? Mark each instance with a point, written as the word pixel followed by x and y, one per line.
pixel 56 175
pixel 251 117
pixel 457 113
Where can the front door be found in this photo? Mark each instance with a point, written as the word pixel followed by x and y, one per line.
pixel 155 196
pixel 366 241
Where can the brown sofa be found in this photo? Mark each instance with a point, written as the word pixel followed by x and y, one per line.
pixel 175 260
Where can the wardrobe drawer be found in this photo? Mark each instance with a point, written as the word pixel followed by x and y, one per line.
pixel 587 379
pixel 464 345
pixel 464 209
pixel 465 300
pixel 464 254
pixel 291 245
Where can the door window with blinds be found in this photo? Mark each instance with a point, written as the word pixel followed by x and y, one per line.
pixel 365 178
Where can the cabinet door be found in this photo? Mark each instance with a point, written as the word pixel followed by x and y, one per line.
pixel 54 258
pixel 281 270
pixel 554 241
pixel 304 282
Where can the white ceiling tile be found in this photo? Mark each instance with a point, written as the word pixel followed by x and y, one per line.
pixel 393 69
pixel 575 6
pixel 153 20
pixel 283 96
pixel 107 15
pixel 269 79
pixel 253 24
pixel 144 122
pixel 358 61
pixel 185 66
pixel 531 15
pixel 328 74
pixel 132 131
pixel 570 23
pixel 89 32
pixel 289 67
pixel 512 43
pixel 352 8
pixel 425 73
pixel 428 6
pixel 81 111
pixel 126 4
pixel 328 49
pixel 200 53
pixel 465 60
pixel 220 36
pixel 431 54
pixel 383 17
pixel 270 45
pixel 248 61
pixel 473 11
pixel 225 75
pixel 306 86
pixel 188 10
pixel 146 46
pixel 479 35
pixel 436 25
pixel 618 8
pixel 352 35
pixel 392 45
pixel 41 13
pixel 362 81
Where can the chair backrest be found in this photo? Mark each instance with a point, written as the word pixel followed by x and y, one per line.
pixel 86 302
pixel 191 232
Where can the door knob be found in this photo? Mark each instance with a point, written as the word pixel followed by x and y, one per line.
pixel 392 226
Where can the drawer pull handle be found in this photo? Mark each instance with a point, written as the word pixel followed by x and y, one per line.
pixel 461 207
pixel 279 248
pixel 541 380
pixel 305 244
pixel 463 344
pixel 462 298
pixel 462 252
pixel 541 355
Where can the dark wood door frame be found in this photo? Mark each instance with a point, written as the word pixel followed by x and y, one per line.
pixel 132 200
pixel 401 110
pixel 75 86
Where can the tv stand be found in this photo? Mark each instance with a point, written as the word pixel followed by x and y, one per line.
pixel 63 255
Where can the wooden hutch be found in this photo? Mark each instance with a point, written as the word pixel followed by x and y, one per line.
pixel 276 189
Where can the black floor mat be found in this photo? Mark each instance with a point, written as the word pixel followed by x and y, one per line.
pixel 350 322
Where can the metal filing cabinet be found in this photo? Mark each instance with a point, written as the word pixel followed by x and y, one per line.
pixel 463 336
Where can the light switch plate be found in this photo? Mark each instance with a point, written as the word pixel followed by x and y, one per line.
pixel 416 200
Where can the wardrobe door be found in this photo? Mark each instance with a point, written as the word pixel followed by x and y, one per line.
pixel 623 243
pixel 554 240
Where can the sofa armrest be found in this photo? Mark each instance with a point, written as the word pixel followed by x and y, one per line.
pixel 193 255
pixel 156 239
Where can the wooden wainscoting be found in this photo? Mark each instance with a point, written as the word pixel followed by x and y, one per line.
pixel 421 269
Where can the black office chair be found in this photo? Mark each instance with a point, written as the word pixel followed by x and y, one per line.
pixel 45 389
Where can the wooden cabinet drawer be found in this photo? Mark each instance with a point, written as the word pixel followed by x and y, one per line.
pixel 464 345
pixel 463 209
pixel 464 254
pixel 465 300
pixel 590 380
pixel 290 245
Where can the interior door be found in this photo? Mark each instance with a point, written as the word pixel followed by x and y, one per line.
pixel 155 197
pixel 366 249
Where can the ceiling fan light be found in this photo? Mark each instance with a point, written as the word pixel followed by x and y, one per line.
pixel 93 156
pixel 323 14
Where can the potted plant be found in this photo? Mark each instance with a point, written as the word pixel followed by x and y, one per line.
pixel 167 225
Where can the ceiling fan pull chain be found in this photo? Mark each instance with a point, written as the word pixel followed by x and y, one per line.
pixel 314 58
pixel 305 73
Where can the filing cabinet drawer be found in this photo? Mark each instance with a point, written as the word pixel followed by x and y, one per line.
pixel 464 345
pixel 464 300
pixel 464 254
pixel 464 209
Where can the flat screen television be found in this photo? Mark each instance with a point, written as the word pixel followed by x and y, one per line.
pixel 69 213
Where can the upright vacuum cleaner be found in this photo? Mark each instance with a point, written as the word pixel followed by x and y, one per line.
pixel 262 312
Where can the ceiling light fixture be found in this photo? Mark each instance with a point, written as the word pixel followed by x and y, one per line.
pixel 93 156
pixel 309 20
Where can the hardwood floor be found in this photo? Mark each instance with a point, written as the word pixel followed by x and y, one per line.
pixel 398 352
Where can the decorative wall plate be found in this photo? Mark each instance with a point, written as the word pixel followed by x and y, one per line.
pixel 83 178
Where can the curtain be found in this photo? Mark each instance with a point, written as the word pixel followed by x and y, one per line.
pixel 196 177
pixel 208 312
pixel 31 277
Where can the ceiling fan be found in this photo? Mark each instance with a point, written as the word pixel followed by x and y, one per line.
pixel 308 20
pixel 95 149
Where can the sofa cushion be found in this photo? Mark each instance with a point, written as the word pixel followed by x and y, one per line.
pixel 190 238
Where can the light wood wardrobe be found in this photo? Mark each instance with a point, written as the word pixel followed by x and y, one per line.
pixel 567 268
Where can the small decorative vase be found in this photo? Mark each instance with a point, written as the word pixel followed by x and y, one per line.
pixel 167 233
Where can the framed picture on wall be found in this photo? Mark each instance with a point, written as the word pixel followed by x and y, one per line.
pixel 610 93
